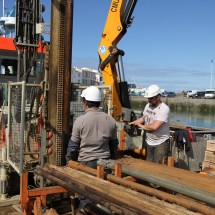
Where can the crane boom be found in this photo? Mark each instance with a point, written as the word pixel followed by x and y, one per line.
pixel 118 20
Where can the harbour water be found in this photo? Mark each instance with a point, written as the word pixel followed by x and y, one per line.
pixel 194 119
pixel 190 118
pixel 192 112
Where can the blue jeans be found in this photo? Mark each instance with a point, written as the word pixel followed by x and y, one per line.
pixel 92 164
pixel 158 153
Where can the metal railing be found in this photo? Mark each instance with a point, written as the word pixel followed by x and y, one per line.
pixel 23 136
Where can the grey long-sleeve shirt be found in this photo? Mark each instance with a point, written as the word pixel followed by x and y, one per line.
pixel 94 131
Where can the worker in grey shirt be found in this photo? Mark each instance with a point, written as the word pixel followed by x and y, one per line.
pixel 94 134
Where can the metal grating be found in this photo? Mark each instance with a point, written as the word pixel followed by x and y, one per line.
pixel 59 126
pixel 76 105
pixel 24 138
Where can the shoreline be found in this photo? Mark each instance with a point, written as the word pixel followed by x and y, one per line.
pixel 179 104
pixel 177 100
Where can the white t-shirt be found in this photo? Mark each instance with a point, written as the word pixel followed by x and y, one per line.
pixel 160 113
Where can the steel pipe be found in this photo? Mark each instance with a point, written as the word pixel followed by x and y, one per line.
pixel 67 72
pixel 187 203
pixel 171 185
pixel 94 210
pixel 124 199
pixel 77 189
pixel 3 180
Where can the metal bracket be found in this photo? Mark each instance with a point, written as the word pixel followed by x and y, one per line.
pixel 40 28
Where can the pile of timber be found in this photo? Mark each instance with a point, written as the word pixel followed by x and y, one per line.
pixel 127 197
pixel 209 160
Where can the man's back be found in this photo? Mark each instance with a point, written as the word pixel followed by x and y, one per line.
pixel 94 130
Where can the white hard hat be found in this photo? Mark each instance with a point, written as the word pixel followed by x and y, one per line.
pixel 92 93
pixel 152 91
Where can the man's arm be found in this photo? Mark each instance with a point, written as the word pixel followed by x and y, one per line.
pixel 74 143
pixel 72 151
pixel 113 145
pixel 151 127
pixel 137 121
pixel 113 142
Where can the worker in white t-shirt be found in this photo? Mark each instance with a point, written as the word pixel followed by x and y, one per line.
pixel 155 123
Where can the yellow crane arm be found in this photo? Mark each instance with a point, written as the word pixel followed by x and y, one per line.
pixel 118 19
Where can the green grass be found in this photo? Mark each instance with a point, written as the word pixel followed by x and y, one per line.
pixel 179 107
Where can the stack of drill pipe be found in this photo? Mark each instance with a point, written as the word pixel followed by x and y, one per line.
pixel 179 200
pixel 117 198
pixel 189 183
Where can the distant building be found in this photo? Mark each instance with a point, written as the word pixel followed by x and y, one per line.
pixel 76 75
pixel 99 78
pixel 86 76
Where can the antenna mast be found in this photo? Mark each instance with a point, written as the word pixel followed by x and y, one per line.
pixel 3 7
pixel 211 73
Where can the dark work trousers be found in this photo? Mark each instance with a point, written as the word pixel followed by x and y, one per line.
pixel 158 153
pixel 92 164
pixel 82 199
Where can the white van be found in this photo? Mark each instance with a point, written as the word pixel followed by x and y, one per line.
pixel 210 93
pixel 190 93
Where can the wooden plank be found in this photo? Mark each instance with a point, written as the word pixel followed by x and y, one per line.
pixel 208 164
pixel 178 125
pixel 209 156
pixel 210 145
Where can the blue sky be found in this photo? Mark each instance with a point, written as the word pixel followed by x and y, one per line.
pixel 170 43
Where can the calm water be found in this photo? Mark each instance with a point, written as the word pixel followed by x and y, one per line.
pixel 194 119
pixel 191 119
